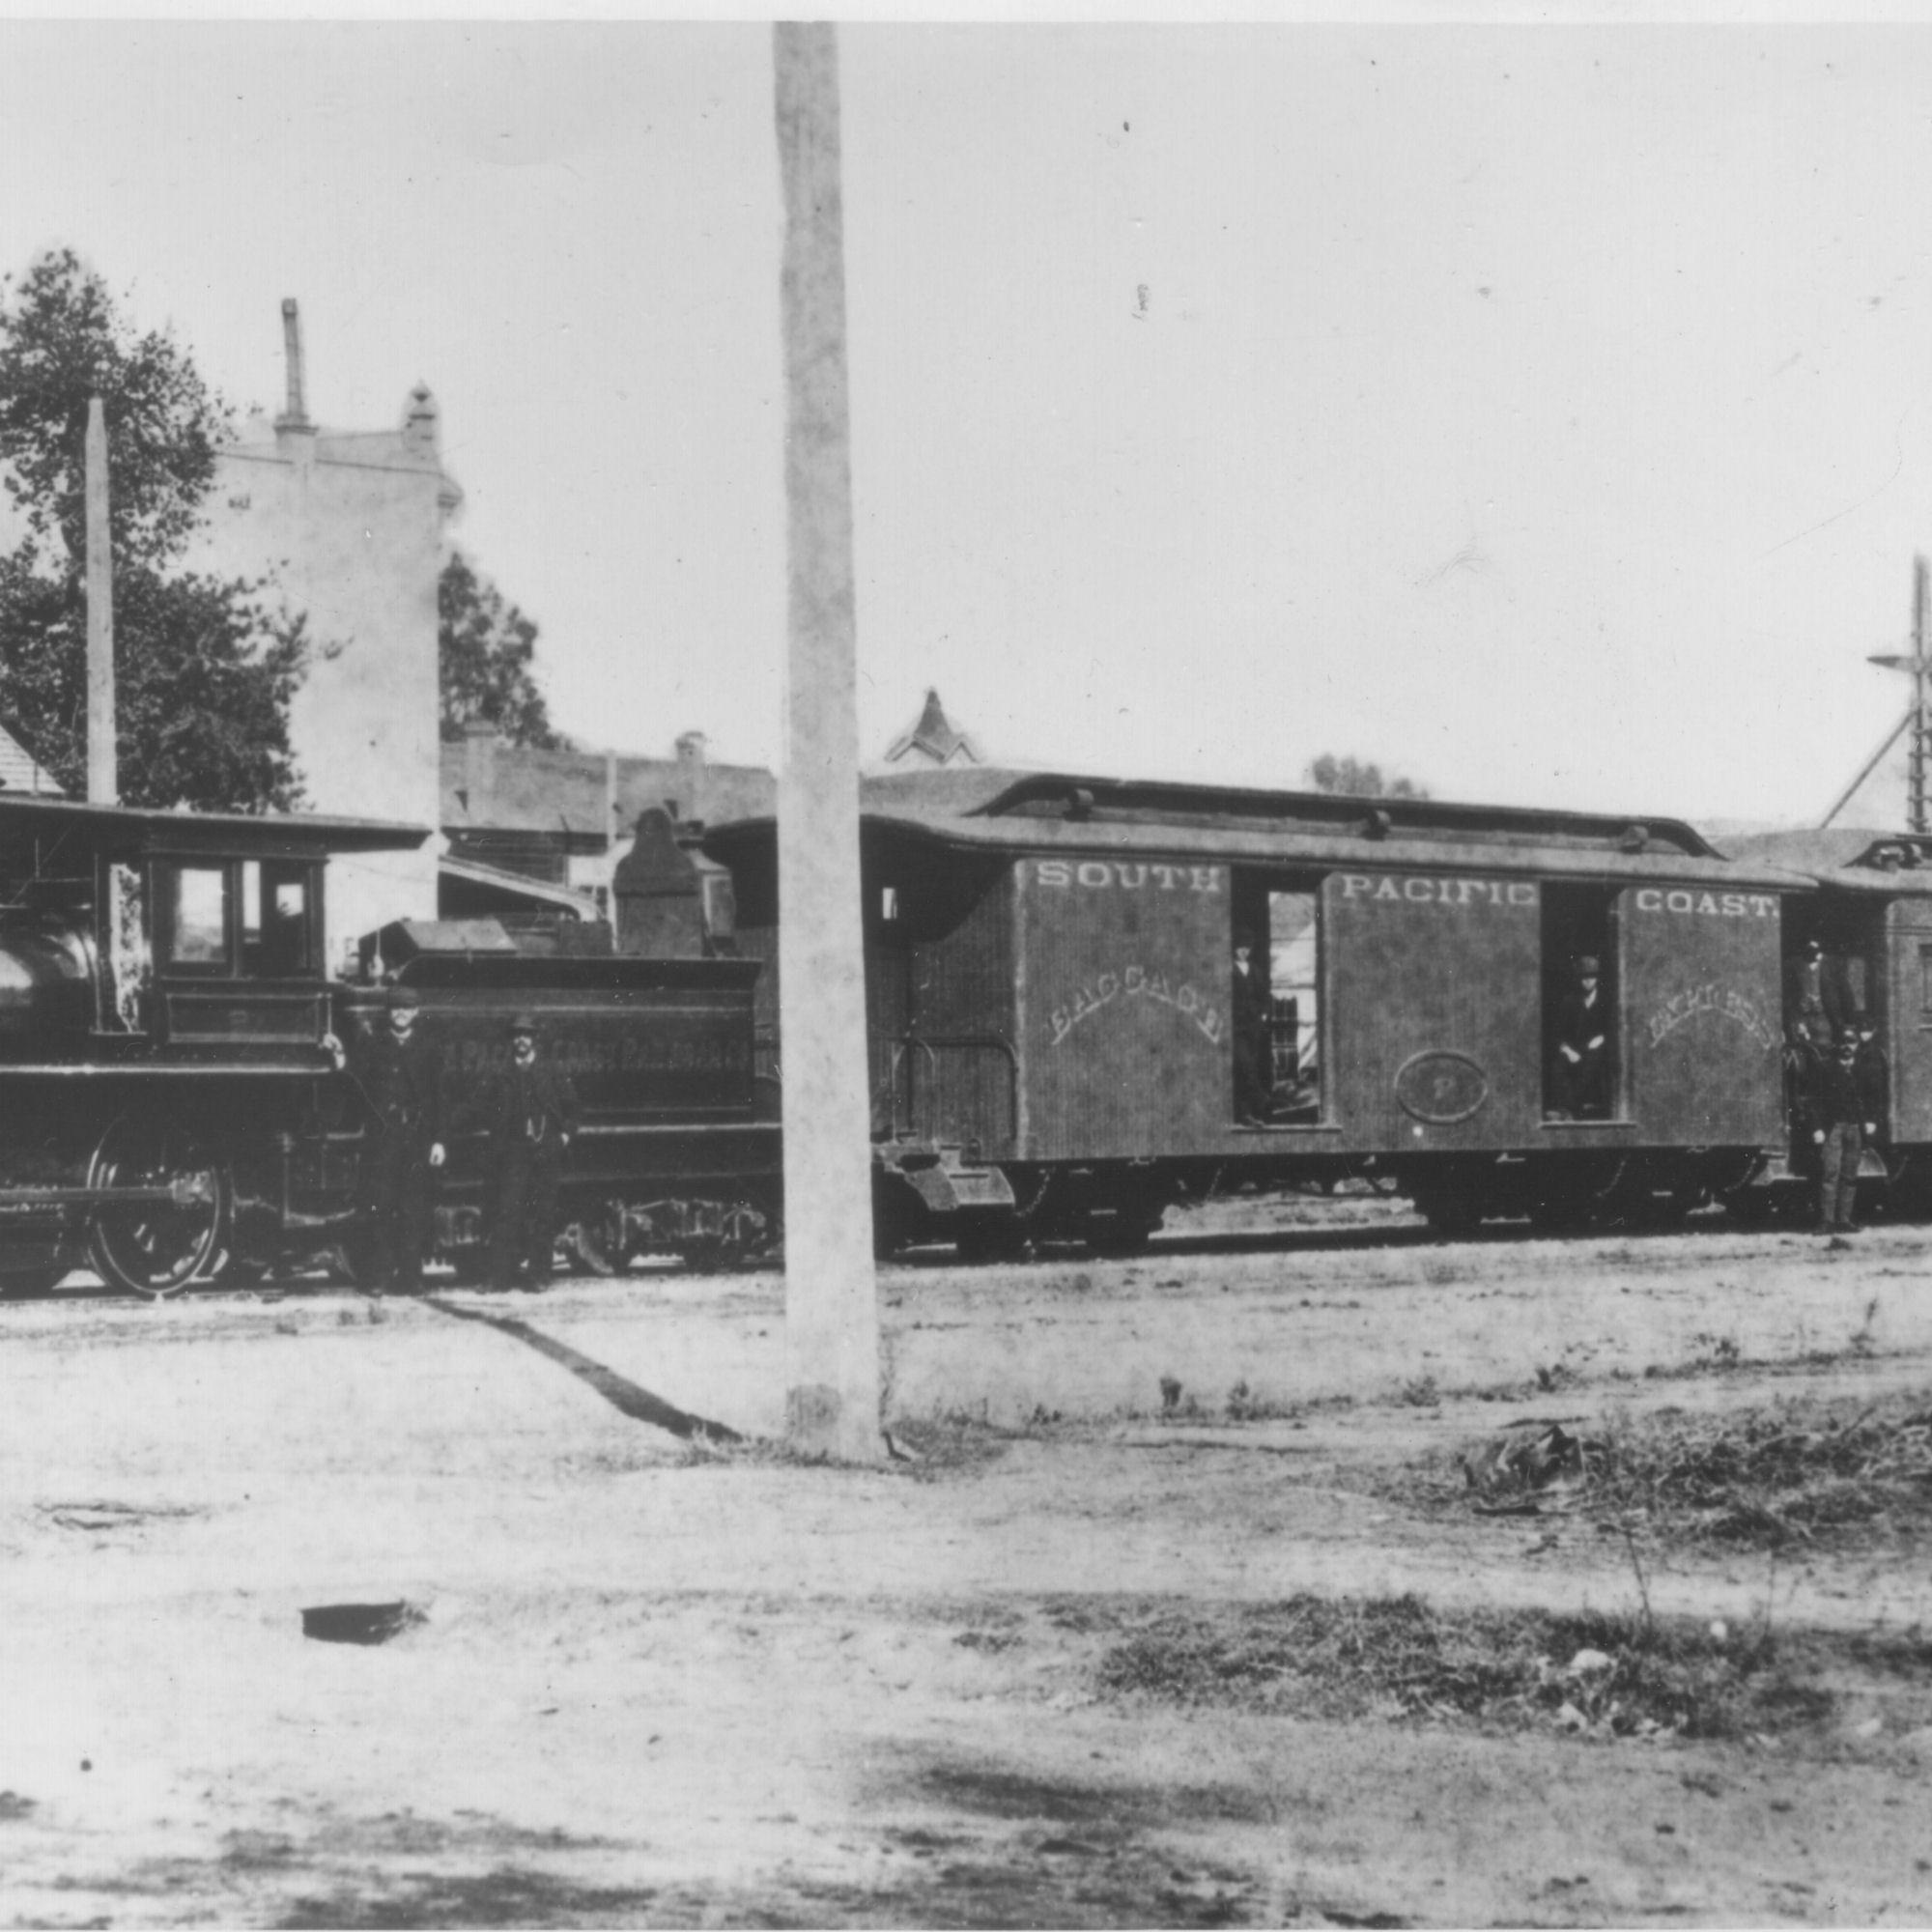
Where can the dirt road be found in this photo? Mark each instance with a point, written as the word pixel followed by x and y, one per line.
pixel 673 1681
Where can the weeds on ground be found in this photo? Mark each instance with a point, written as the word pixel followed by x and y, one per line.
pixel 1604 1675
pixel 1794 1471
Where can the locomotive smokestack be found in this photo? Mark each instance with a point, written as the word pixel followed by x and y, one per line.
pixel 102 785
pixel 296 415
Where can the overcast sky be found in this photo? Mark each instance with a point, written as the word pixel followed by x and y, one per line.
pixel 1540 411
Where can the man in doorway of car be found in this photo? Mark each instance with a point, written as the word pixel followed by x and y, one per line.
pixel 1580 1088
pixel 1254 1047
pixel 1839 1125
pixel 1815 1007
pixel 532 1117
pixel 400 1074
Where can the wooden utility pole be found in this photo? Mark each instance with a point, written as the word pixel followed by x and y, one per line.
pixel 832 1319
pixel 103 780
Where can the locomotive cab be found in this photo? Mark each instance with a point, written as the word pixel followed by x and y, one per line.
pixel 233 948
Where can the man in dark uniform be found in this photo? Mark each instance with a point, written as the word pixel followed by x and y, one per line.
pixel 1579 1084
pixel 531 1118
pixel 1874 1075
pixel 1254 1048
pixel 1816 1007
pixel 1837 1117
pixel 400 1074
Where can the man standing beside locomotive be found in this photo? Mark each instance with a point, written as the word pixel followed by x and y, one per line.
pixel 1839 1104
pixel 531 1118
pixel 400 1074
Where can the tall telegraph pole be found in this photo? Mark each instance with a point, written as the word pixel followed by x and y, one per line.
pixel 832 1321
pixel 1917 719
pixel 103 780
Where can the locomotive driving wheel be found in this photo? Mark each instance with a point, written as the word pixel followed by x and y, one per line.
pixel 156 1245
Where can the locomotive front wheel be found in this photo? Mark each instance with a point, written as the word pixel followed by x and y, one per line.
pixel 149 1246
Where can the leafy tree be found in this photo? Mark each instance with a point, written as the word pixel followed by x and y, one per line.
pixel 487 648
pixel 1350 778
pixel 205 666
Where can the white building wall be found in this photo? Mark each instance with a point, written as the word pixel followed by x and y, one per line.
pixel 351 527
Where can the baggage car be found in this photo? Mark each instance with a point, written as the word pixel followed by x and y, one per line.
pixel 1052 1002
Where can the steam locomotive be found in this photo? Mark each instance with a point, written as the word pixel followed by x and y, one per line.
pixel 171 1108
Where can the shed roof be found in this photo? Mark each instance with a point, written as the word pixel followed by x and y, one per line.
pixel 123 827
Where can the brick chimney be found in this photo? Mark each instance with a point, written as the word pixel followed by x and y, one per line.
pixel 691 751
pixel 295 433
pixel 422 424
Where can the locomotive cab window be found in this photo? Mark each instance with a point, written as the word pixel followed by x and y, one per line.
pixel 194 905
pixel 277 929
pixel 1274 1001
pixel 1583 1048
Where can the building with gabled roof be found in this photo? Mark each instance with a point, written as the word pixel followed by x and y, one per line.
pixel 933 740
pixel 21 771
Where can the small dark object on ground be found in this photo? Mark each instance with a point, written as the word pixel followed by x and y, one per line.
pixel 359 1623
pixel 1527 1455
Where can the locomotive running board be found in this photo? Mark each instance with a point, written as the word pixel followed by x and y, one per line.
pixel 185 1191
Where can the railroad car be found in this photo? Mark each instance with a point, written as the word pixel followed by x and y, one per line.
pixel 1866 898
pixel 171 1108
pixel 1051 1002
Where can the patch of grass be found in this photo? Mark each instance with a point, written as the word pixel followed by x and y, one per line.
pixel 957 1443
pixel 1399 1658
pixel 1763 1478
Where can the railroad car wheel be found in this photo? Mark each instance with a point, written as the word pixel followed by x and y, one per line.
pixel 1753 1207
pixel 1120 1232
pixel 1448 1212
pixel 1558 1215
pixel 154 1247
pixel 987 1235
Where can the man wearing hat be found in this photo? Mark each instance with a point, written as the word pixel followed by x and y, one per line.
pixel 1579 1074
pixel 533 1116
pixel 1254 1048
pixel 1816 1007
pixel 400 1076
pixel 1837 1107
